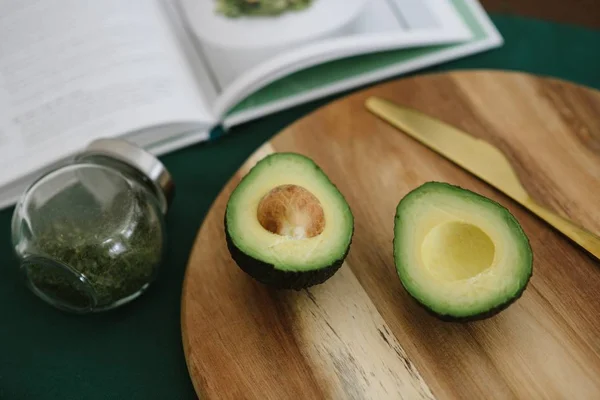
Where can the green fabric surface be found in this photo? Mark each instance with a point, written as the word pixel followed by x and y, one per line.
pixel 135 352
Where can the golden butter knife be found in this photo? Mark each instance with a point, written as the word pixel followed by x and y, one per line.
pixel 479 158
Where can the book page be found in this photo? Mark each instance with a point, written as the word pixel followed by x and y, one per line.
pixel 340 75
pixel 246 52
pixel 72 71
pixel 188 46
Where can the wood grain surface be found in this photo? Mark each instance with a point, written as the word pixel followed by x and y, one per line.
pixel 359 335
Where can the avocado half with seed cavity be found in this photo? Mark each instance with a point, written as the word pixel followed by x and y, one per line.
pixel 459 254
pixel 286 224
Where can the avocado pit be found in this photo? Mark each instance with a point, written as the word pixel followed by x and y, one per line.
pixel 291 211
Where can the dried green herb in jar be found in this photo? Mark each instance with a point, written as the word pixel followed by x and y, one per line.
pixel 238 8
pixel 91 235
pixel 112 274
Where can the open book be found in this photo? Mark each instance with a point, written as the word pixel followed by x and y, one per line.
pixel 164 73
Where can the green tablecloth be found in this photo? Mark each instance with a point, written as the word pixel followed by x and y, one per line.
pixel 135 352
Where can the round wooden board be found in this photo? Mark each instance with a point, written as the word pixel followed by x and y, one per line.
pixel 359 335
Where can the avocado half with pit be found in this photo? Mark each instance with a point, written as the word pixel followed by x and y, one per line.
pixel 459 254
pixel 286 224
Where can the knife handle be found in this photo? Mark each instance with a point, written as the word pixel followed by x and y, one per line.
pixel 580 236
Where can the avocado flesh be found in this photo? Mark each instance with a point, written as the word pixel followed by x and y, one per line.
pixel 291 258
pixel 460 255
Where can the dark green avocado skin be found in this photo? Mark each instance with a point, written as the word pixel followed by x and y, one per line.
pixel 267 274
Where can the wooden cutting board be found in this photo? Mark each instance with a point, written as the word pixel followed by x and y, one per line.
pixel 359 335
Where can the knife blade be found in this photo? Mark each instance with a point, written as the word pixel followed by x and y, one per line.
pixel 475 155
pixel 478 157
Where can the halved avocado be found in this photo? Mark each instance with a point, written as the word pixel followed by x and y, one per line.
pixel 459 254
pixel 287 225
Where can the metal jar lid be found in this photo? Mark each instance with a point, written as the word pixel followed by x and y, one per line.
pixel 140 160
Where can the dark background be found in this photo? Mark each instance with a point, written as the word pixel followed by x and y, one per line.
pixel 580 12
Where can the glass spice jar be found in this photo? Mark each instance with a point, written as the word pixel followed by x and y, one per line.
pixel 90 234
